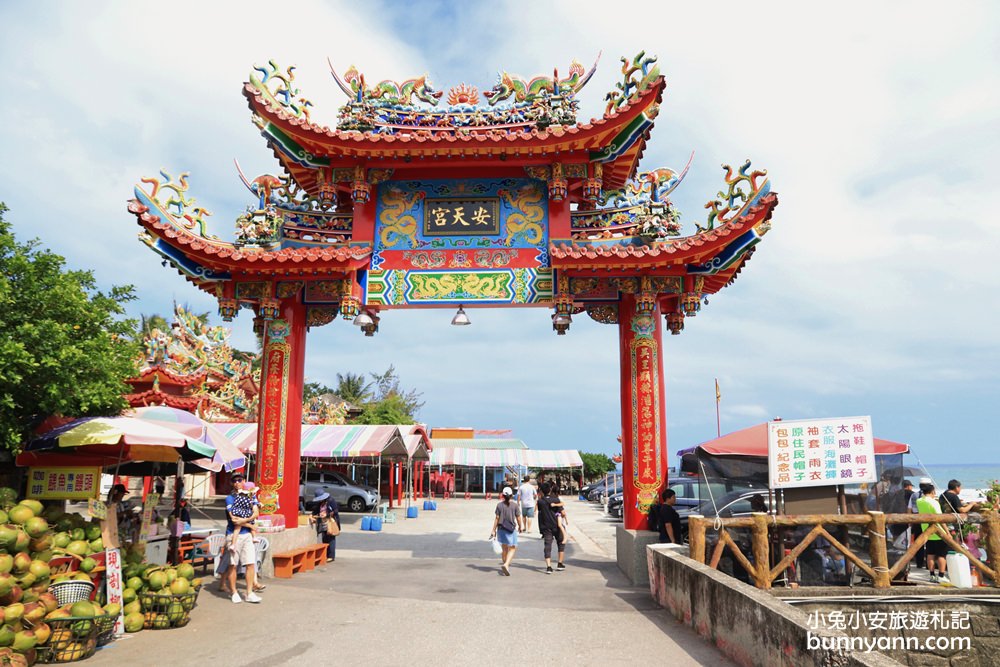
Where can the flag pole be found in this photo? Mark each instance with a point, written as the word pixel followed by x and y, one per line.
pixel 718 418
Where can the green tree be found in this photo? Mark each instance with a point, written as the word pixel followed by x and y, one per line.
pixel 387 385
pixel 65 348
pixel 390 410
pixel 353 388
pixel 595 465
pixel 315 390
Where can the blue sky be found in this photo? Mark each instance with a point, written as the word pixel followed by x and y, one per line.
pixel 875 293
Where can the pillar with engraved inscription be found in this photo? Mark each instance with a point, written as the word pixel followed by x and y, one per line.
pixel 280 420
pixel 644 429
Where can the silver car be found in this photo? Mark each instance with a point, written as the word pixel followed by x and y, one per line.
pixel 349 494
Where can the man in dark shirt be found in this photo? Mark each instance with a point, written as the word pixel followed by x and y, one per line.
pixel 670 520
pixel 951 502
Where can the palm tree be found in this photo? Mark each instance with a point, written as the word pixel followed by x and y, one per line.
pixel 150 322
pixel 353 388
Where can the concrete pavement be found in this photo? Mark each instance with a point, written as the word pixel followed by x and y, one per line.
pixel 429 591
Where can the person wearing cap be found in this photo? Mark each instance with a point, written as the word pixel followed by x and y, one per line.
pixel 242 510
pixel 507 523
pixel 325 507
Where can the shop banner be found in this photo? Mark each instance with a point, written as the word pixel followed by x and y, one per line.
pixel 63 483
pixel 820 452
pixel 113 580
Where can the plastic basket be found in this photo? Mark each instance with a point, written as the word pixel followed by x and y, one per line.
pixel 167 611
pixel 68 592
pixel 72 639
pixel 105 628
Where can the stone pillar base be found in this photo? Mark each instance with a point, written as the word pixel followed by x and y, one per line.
pixel 631 550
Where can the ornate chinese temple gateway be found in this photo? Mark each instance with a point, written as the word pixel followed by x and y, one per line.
pixel 483 198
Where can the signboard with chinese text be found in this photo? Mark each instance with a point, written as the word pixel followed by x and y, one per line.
pixel 97 509
pixel 462 217
pixel 152 500
pixel 820 452
pixel 63 483
pixel 460 241
pixel 113 579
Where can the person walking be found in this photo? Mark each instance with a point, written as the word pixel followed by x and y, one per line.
pixel 550 508
pixel 324 509
pixel 527 497
pixel 507 523
pixel 241 510
pixel 937 548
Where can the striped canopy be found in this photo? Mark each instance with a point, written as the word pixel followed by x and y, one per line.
pixel 325 441
pixel 502 458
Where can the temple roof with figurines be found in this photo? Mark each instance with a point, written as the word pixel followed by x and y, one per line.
pixel 347 205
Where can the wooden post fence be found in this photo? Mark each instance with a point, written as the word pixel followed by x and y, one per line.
pixel 874 523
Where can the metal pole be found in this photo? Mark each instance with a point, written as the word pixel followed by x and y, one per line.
pixel 375 509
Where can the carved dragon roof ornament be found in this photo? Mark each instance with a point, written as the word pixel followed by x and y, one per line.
pixel 390 106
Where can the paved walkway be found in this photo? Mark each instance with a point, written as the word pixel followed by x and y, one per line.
pixel 428 591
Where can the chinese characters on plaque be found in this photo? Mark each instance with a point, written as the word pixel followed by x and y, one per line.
pixel 462 217
pixel 63 483
pixel 820 452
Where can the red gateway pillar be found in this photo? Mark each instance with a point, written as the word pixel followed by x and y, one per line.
pixel 644 429
pixel 280 432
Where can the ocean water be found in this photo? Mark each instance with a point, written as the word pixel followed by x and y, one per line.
pixel 971 475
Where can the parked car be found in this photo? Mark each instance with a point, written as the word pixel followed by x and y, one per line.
pixel 611 487
pixel 350 495
pixel 688 497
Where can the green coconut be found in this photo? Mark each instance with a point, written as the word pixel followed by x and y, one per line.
pixel 18 514
pixel 88 564
pixel 185 570
pixel 78 547
pixel 40 569
pixel 6 635
pixel 93 531
pixel 35 506
pixel 22 542
pixel 36 527
pixel 12 613
pixel 61 540
pixel 180 586
pixel 78 534
pixel 8 537
pixel 132 607
pixel 6 563
pixel 96 545
pixel 24 640
pixel 22 562
pixel 7 495
pixel 133 622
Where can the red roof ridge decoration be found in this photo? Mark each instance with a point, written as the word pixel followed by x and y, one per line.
pixel 437 134
pixel 229 251
pixel 580 250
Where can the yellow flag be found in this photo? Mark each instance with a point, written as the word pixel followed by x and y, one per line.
pixel 718 396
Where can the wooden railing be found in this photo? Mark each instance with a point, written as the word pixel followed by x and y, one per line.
pixel 881 574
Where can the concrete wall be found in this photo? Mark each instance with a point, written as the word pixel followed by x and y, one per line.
pixel 286 540
pixel 750 626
